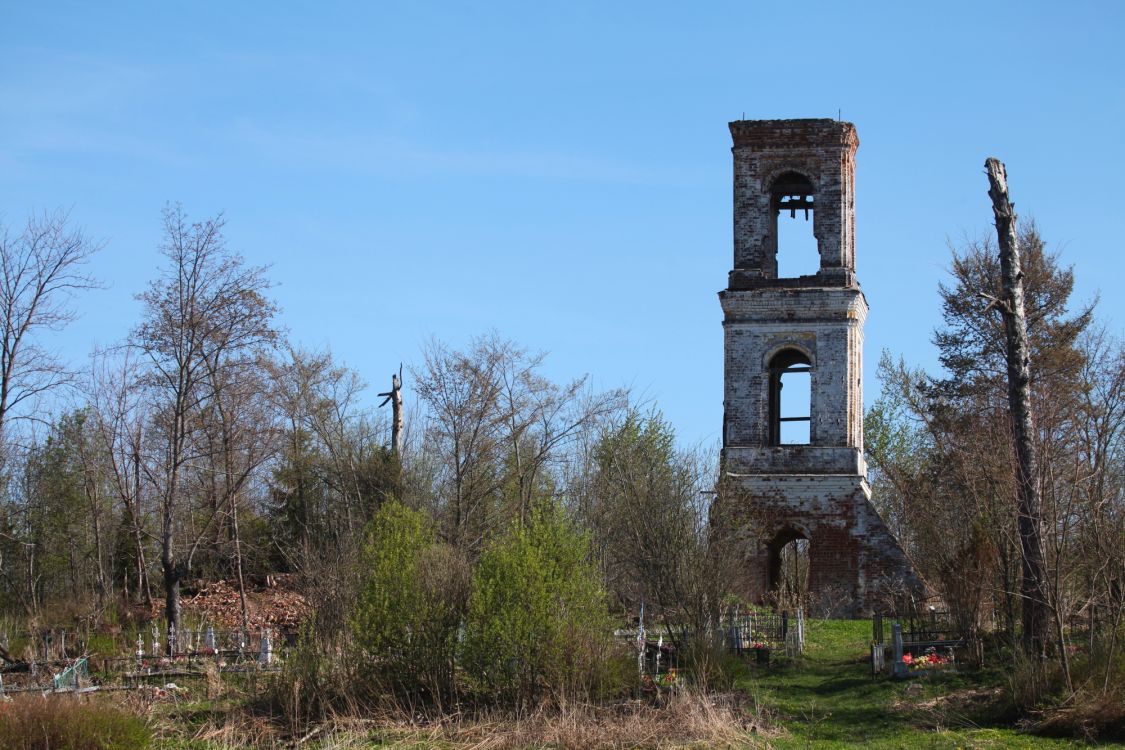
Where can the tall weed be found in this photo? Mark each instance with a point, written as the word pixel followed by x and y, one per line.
pixel 64 723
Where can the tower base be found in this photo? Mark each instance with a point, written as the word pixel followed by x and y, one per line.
pixel 855 564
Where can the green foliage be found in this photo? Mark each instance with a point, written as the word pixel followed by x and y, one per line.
pixel 104 644
pixel 537 623
pixel 642 447
pixel 47 520
pixel 61 723
pixel 410 604
pixel 645 517
pixel 653 526
pixel 971 341
pixel 896 446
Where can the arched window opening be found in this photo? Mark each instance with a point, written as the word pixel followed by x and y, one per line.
pixel 790 398
pixel 789 569
pixel 793 199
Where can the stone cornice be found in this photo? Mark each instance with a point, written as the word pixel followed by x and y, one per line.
pixel 769 135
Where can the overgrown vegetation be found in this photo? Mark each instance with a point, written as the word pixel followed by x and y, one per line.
pixel 479 570
pixel 63 723
pixel 412 602
pixel 944 474
pixel 537 625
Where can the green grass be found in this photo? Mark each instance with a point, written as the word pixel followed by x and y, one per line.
pixel 828 699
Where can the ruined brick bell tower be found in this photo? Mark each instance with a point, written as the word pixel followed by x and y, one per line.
pixel 799 473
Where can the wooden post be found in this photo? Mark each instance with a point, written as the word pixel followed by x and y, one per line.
pixel 1030 522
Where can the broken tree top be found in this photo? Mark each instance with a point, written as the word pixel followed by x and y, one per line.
pixel 774 134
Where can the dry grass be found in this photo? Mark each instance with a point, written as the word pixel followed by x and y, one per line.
pixel 1094 717
pixel 686 720
pixel 238 730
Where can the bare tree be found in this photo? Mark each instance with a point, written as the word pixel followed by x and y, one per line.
pixel 333 472
pixel 540 418
pixel 207 307
pixel 40 272
pixel 239 438
pixel 462 392
pixel 1097 563
pixel 499 429
pixel 329 437
pixel 118 415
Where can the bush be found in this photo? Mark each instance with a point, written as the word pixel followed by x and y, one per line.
pixel 315 681
pixel 537 623
pixel 410 606
pixel 62 723
pixel 1096 708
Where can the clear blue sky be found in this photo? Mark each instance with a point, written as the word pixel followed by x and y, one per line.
pixel 557 171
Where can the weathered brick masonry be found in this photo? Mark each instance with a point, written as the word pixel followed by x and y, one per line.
pixel 817 491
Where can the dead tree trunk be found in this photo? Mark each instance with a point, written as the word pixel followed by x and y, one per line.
pixel 1034 584
pixel 394 395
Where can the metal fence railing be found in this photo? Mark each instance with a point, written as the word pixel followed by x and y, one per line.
pixel 754 634
pixel 922 625
pixel 62 660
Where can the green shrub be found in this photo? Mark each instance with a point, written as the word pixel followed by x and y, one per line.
pixel 537 623
pixel 62 723
pixel 410 605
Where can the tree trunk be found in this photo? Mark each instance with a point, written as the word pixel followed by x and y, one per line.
pixel 1033 587
pixel 135 522
pixel 396 416
pixel 32 601
pixel 170 566
pixel 95 519
pixel 394 395
pixel 238 567
pixel 232 502
pixel 171 601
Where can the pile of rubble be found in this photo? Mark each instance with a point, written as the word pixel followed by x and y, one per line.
pixel 276 605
